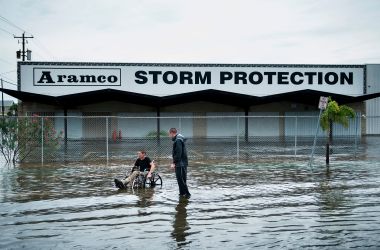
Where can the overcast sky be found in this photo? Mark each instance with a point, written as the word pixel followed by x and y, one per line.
pixel 193 31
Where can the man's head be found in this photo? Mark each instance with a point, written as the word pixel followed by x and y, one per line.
pixel 172 132
pixel 141 154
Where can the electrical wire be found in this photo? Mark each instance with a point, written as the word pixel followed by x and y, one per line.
pixel 6 31
pixel 6 61
pixel 9 82
pixel 36 41
pixel 12 83
pixel 8 72
pixel 39 55
pixel 12 24
pixel 39 44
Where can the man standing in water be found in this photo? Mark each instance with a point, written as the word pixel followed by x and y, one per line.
pixel 179 161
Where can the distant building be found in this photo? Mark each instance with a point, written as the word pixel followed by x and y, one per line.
pixel 7 105
pixel 275 91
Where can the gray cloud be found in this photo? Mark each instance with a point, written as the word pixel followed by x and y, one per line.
pixel 241 31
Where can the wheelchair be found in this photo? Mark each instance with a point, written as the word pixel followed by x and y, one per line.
pixel 142 181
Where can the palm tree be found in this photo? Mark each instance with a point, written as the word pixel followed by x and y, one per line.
pixel 334 113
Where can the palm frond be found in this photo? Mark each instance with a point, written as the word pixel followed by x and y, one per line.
pixel 336 113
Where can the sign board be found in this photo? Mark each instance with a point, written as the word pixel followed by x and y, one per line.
pixel 56 79
pixel 323 102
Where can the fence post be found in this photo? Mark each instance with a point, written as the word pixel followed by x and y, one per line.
pixel 158 139
pixel 65 130
pixel 107 138
pixel 237 140
pixel 42 139
pixel 356 134
pixel 246 123
pixel 315 139
pixel 295 137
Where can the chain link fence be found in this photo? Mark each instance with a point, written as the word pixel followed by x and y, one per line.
pixel 220 139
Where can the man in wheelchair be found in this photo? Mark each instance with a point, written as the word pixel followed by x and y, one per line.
pixel 143 163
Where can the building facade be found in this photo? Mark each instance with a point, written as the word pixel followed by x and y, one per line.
pixel 143 99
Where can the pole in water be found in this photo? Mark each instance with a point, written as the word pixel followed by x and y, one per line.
pixel 315 139
pixel 356 133
pixel 327 154
pixel 322 106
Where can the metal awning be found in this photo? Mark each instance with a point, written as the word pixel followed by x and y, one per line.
pixel 309 97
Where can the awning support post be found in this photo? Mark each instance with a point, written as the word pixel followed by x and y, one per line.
pixel 65 129
pixel 158 113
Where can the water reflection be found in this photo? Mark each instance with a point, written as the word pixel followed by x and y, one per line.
pixel 277 206
pixel 145 196
pixel 180 224
pixel 332 197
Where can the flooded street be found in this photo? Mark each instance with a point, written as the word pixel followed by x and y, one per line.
pixel 248 206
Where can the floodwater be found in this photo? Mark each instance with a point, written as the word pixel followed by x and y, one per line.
pixel 248 206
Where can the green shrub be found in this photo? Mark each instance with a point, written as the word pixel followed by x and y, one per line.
pixel 21 136
pixel 163 133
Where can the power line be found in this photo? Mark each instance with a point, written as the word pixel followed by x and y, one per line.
pixel 42 56
pixel 38 43
pixel 6 31
pixel 9 82
pixel 12 24
pixel 6 61
pixel 42 47
pixel 12 83
pixel 8 72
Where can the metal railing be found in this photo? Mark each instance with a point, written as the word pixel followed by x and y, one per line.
pixel 209 138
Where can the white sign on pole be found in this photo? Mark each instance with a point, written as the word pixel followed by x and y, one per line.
pixel 323 102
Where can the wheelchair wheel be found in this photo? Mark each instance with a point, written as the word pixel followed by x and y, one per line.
pixel 138 182
pixel 155 180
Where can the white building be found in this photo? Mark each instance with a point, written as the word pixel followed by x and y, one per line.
pixel 192 91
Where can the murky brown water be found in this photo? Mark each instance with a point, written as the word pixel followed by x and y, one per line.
pixel 262 206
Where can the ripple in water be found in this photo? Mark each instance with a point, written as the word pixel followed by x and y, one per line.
pixel 277 206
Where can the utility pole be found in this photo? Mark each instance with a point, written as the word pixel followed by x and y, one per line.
pixel 23 37
pixel 2 98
